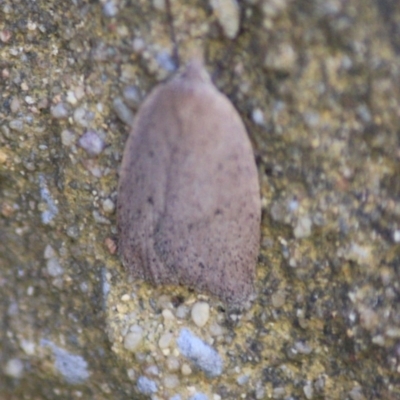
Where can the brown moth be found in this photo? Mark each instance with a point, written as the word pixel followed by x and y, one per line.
pixel 188 196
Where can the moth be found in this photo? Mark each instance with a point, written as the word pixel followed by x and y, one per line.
pixel 189 207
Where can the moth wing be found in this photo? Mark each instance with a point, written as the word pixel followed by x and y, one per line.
pixel 143 185
pixel 188 195
pixel 209 234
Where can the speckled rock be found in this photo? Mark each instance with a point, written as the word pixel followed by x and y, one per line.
pixel 325 76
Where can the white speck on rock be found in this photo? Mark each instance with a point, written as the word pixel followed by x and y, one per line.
pixel 228 15
pixel 159 5
pixel 15 105
pixel 28 347
pixel 30 100
pixel 200 313
pixel 258 117
pixel 242 379
pixel 67 137
pixel 108 206
pixel 165 340
pixel 198 396
pixel 281 58
pixel 186 370
pixel 199 353
pixel 72 367
pixel 356 393
pixel 110 9
pixel 132 96
pixel 166 62
pixel 168 316
pixel 172 363
pixel 92 143
pixel 49 252
pixel 54 268
pixel 71 99
pixel 303 227
pixel 14 368
pixel 123 112
pixel 59 111
pixel 308 390
pixel 52 209
pixel 146 385
pixel 83 117
pixel 133 338
pixel 16 125
pixel 182 311
pixel 171 381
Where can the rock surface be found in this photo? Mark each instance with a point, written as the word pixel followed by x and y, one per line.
pixel 325 78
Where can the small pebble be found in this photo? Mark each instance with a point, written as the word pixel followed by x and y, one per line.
pixel 165 340
pixel 146 385
pixel 16 125
pixel 200 313
pixel 14 368
pixel 278 393
pixel 182 311
pixel 396 236
pixel 29 100
pixel 125 297
pixel 308 390
pixel 228 15
pixel 138 45
pixel 83 117
pixel 281 58
pixel 128 72
pixel 278 298
pixel 198 396
pixel 73 232
pixel 123 112
pixel 110 9
pixel 67 138
pixel 166 62
pixel 111 245
pixel 152 370
pixel 92 143
pixel 5 35
pixel 15 105
pixel 257 116
pixel 303 347
pixel 132 96
pixel 173 363
pixel 167 315
pixel 49 252
pixel 200 353
pixel 356 394
pixel 108 206
pixel 133 338
pixel 216 329
pixel 71 99
pixel 54 268
pixel 242 379
pixel 131 374
pixel 159 5
pixel 28 347
pixel 100 219
pixel 42 104
pixel 171 381
pixel 186 370
pixel 302 228
pixel 59 111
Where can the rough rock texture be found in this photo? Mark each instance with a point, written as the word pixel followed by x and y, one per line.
pixel 324 76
